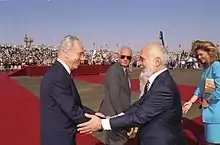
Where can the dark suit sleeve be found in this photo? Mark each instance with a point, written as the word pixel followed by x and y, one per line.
pixel 155 104
pixel 134 106
pixel 88 110
pixel 113 86
pixel 66 101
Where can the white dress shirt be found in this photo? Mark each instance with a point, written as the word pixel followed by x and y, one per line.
pixel 64 65
pixel 106 122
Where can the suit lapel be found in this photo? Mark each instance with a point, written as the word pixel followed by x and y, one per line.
pixel 74 88
pixel 126 82
pixel 160 77
pixel 72 83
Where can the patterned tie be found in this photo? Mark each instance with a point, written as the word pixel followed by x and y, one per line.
pixel 146 88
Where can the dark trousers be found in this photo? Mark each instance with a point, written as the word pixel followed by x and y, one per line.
pixel 116 138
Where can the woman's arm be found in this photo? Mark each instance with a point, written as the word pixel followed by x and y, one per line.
pixel 193 99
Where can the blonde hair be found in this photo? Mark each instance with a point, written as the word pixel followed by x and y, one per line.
pixel 207 46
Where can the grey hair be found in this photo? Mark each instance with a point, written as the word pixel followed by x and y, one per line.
pixel 67 42
pixel 164 55
pixel 124 47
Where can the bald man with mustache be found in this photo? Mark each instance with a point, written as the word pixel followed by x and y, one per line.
pixel 158 113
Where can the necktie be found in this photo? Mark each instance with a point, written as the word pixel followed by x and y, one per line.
pixel 146 86
pixel 127 76
pixel 126 73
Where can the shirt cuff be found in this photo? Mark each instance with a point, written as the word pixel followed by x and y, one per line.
pixel 120 114
pixel 106 124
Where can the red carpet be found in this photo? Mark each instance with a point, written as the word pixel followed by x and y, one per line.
pixel 20 122
pixel 20 116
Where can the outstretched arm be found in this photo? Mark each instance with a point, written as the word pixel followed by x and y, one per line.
pixel 158 102
pixel 155 104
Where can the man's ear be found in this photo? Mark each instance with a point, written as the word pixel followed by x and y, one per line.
pixel 158 61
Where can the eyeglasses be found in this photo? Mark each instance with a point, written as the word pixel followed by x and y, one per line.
pixel 124 56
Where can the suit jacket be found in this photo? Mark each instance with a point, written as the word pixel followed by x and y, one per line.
pixel 61 107
pixel 158 114
pixel 211 114
pixel 117 91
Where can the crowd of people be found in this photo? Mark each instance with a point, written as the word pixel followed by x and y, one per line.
pixel 15 57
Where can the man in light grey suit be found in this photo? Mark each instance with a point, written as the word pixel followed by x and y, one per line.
pixel 117 94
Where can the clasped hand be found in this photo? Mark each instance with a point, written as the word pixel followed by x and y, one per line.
pixel 94 124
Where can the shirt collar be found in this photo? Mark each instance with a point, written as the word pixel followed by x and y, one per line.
pixel 153 76
pixel 64 65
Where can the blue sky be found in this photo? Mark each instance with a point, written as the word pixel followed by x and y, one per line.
pixel 112 22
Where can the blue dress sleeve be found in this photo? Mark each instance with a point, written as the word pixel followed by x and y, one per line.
pixel 216 76
pixel 200 89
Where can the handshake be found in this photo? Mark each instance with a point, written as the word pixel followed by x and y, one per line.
pixel 94 124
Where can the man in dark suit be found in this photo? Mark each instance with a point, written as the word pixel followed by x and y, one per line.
pixel 117 94
pixel 158 113
pixel 61 107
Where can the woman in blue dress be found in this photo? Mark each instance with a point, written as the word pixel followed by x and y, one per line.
pixel 207 54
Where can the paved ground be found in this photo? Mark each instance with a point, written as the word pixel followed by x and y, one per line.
pixel 91 94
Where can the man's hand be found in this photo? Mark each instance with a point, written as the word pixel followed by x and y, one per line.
pixel 100 115
pixel 94 124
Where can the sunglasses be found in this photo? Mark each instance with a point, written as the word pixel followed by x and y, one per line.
pixel 124 56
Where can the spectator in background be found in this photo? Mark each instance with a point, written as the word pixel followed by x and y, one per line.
pixel 117 94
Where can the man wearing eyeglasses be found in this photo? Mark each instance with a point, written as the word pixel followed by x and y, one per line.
pixel 117 94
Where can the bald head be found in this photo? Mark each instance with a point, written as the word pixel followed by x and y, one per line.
pixel 154 55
